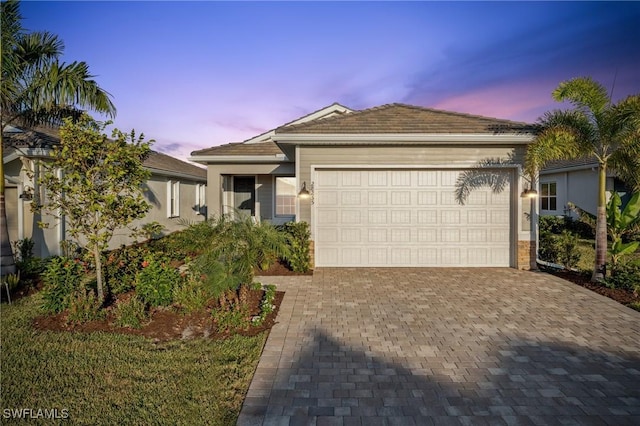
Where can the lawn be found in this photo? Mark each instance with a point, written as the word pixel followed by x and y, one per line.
pixel 587 254
pixel 103 378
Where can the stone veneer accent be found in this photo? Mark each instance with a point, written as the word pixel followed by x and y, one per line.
pixel 527 255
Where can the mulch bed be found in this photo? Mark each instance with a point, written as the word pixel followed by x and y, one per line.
pixel 622 296
pixel 166 323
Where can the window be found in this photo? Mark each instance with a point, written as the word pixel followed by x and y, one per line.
pixel 548 196
pixel 200 198
pixel 285 196
pixel 173 198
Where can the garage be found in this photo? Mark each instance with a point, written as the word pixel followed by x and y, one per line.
pixel 403 218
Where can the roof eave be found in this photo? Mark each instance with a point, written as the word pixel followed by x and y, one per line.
pixel 27 152
pixel 408 138
pixel 257 159
pixel 171 173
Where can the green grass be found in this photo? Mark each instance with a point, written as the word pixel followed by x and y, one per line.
pixel 103 378
pixel 588 255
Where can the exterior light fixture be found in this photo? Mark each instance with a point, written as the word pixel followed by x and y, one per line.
pixel 529 193
pixel 305 193
pixel 27 194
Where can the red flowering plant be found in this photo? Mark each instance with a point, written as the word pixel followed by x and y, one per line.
pixel 121 266
pixel 155 282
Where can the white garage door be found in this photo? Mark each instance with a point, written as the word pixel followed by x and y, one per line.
pixel 408 218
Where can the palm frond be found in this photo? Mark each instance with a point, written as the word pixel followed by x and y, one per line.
pixel 563 135
pixel 584 93
pixel 35 87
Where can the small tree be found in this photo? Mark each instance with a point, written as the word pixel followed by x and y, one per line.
pixel 94 183
pixel 595 127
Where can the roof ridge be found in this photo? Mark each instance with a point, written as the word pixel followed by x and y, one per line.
pixel 375 109
pixel 289 123
pixel 324 119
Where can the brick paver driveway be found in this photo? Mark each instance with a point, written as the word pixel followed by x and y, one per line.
pixel 445 346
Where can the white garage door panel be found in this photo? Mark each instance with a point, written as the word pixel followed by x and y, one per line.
pixel 408 218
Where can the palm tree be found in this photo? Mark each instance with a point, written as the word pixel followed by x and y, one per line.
pixel 595 127
pixel 36 88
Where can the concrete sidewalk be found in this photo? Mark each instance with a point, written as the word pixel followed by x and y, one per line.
pixel 445 346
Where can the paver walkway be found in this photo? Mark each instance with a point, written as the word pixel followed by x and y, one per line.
pixel 445 346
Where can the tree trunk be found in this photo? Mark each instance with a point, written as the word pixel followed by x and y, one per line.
pixel 599 268
pixel 98 260
pixel 7 263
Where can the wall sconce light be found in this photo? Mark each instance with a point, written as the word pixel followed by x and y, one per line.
pixel 305 193
pixel 27 194
pixel 529 193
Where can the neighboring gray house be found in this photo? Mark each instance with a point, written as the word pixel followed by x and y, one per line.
pixel 382 183
pixel 576 182
pixel 176 191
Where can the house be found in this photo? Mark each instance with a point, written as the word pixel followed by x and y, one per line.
pixel 175 191
pixel 566 182
pixel 386 186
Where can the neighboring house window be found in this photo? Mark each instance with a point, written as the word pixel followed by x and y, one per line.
pixel 548 196
pixel 285 196
pixel 173 198
pixel 200 198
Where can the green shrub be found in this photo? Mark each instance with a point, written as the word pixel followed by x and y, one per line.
pixel 568 253
pixel 625 276
pixel 552 224
pixel 230 320
pixel 298 238
pixel 190 242
pixel 121 266
pixel 130 313
pixel 548 248
pixel 72 250
pixel 61 277
pixel 26 262
pixel 557 224
pixel 242 245
pixel 155 281
pixel 190 293
pixel 84 306
pixel 151 230
pixel 232 313
pixel 10 282
pixel 215 277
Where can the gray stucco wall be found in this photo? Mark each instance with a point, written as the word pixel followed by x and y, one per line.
pixel 579 187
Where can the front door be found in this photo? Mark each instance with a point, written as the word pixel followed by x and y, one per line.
pixel 244 190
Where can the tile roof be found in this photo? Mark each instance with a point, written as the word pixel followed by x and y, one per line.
pixel 241 148
pixel 167 163
pixel 38 137
pixel 400 118
pixel 563 164
pixel 46 137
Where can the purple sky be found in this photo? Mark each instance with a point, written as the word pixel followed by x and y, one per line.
pixel 197 74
